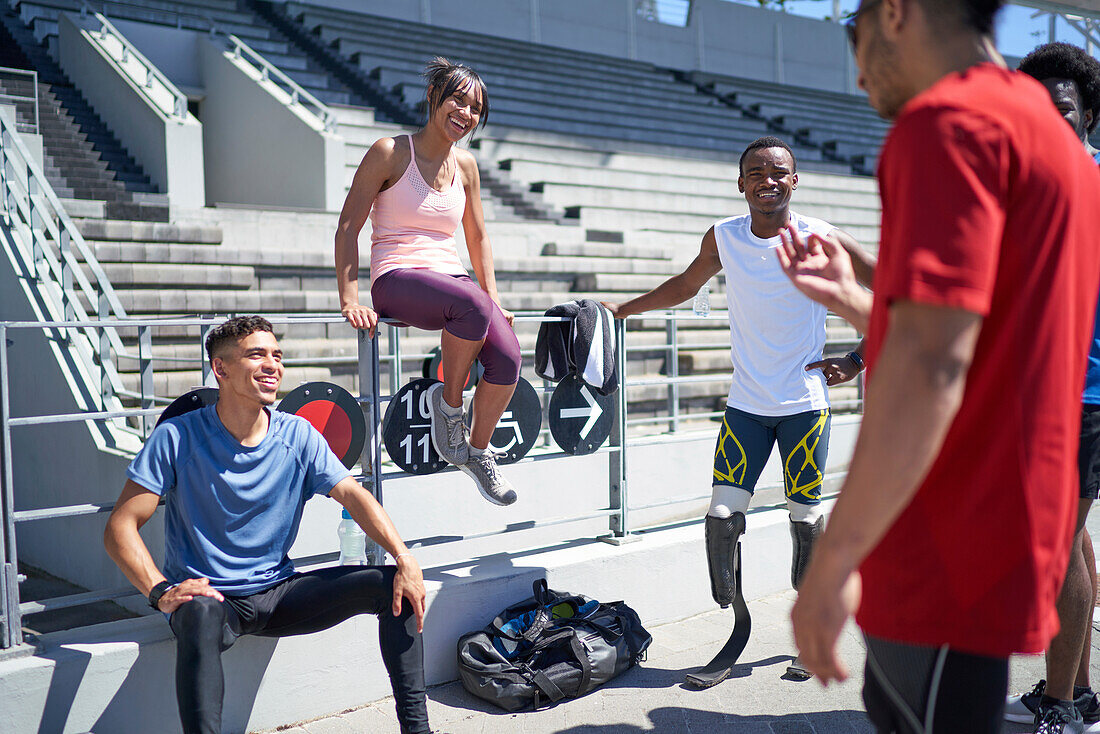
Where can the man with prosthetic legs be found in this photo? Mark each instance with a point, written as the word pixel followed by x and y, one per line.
pixel 779 385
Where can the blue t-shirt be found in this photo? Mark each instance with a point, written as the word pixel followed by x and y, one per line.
pixel 1092 374
pixel 231 511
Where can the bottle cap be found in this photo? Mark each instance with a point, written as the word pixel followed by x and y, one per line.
pixel 346 515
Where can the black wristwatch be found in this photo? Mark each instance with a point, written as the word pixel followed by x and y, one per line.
pixel 158 591
pixel 857 360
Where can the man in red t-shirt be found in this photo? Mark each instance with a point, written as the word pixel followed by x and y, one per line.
pixel 960 500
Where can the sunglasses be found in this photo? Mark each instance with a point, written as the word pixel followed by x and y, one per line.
pixel 850 23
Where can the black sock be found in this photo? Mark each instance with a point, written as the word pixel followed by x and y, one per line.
pixel 1079 691
pixel 1048 701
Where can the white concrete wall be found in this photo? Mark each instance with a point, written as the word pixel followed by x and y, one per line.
pixel 175 51
pixel 170 151
pixel 722 37
pixel 259 150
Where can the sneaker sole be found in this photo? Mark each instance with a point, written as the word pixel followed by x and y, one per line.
pixel 431 431
pixel 1020 718
pixel 484 494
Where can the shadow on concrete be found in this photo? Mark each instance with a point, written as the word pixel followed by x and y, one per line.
pixel 144 699
pixel 676 719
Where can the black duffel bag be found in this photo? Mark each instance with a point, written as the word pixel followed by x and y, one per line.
pixel 549 647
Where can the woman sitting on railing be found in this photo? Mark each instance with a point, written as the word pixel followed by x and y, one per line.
pixel 417 189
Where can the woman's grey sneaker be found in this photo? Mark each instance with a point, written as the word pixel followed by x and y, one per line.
pixel 1021 708
pixel 482 468
pixel 1061 717
pixel 448 431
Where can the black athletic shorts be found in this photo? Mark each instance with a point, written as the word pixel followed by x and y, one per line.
pixel 911 689
pixel 1088 452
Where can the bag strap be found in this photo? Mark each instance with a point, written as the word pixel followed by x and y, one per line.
pixel 541 681
pixel 586 665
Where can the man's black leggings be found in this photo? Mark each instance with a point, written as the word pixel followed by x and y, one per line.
pixel 304 603
pixel 910 689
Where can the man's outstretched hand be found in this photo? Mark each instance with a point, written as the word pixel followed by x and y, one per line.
pixel 409 583
pixel 822 270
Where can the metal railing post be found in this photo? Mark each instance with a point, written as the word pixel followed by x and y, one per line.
pixel 5 194
pixel 145 368
pixel 103 309
pixel 204 330
pixel 671 336
pixel 369 393
pixel 11 628
pixel 616 486
pixel 35 224
pixel 66 252
pixel 395 359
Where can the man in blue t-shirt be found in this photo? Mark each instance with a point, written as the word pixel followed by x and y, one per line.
pixel 1072 77
pixel 235 478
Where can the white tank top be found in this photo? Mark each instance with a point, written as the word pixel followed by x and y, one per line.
pixel 775 331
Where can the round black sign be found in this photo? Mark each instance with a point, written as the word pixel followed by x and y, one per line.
pixel 334 413
pixel 200 397
pixel 433 369
pixel 518 429
pixel 407 429
pixel 580 418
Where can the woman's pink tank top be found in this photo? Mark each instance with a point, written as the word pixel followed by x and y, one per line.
pixel 413 225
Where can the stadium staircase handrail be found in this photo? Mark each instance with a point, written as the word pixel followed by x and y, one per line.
pixel 298 95
pixel 5 70
pixel 58 267
pixel 126 56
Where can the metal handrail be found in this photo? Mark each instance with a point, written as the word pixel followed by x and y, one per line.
pixel 298 94
pixel 370 361
pixel 128 51
pixel 34 78
pixel 53 254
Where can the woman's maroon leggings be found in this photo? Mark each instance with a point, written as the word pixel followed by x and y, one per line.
pixel 430 300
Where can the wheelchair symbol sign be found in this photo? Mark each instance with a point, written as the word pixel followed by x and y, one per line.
pixel 518 429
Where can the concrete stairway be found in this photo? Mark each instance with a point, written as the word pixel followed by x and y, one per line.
pixel 199 15
pixel 660 200
pixel 538 87
pixel 83 159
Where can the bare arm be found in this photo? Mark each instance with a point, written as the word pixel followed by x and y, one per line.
pixel 124 544
pixel 920 374
pixel 365 510
pixel 678 288
pixel 473 226
pixel 373 172
pixel 863 262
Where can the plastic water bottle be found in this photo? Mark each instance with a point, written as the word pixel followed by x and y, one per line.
pixel 701 305
pixel 353 542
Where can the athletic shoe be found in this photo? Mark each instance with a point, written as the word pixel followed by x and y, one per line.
pixel 482 468
pixel 1088 704
pixel 1061 717
pixel 797 671
pixel 1021 709
pixel 448 432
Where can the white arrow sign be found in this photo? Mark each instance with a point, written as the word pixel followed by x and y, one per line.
pixel 592 412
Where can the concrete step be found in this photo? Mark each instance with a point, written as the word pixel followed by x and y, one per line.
pixel 603 251
pixel 206 301
pixel 131 231
pixel 125 276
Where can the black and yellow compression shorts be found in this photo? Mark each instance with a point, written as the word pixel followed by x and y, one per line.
pixel 746 441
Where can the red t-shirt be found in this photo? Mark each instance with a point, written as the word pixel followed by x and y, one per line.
pixel 991 205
